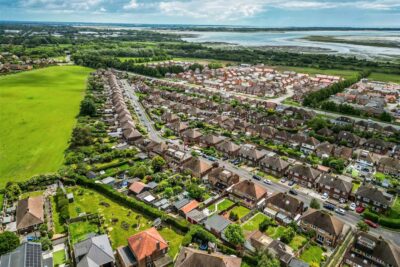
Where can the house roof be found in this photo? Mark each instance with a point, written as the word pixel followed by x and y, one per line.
pixel 217 222
pixel 212 139
pixel 338 182
pixel 196 215
pixel 372 193
pixel 94 251
pixel 28 254
pixel 197 165
pixel 189 206
pixel 390 162
pixel 189 257
pixel 275 162
pixel 192 133
pixel 228 146
pixel 323 220
pixel 286 202
pixel 381 249
pixel 30 212
pixel 305 170
pixel 145 243
pixel 137 187
pixel 250 188
pixel 181 203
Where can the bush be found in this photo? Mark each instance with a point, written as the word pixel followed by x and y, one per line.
pixel 371 216
pixel 390 222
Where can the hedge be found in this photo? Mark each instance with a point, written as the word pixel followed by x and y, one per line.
pixel 181 225
pixel 383 221
pixel 111 165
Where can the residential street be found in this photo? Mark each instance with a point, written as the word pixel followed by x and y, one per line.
pixel 305 195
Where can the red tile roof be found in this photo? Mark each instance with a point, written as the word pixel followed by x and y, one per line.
pixel 190 206
pixel 145 243
pixel 137 187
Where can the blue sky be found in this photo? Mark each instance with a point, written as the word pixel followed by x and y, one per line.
pixel 264 13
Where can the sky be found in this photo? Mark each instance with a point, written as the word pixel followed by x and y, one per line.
pixel 261 13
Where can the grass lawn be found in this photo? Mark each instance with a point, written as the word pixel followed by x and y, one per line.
pixel 59 257
pixel 31 194
pixel 174 240
pixel 384 77
pixel 58 227
pixel 312 71
pixel 312 255
pixel 79 231
pixel 275 232
pixel 254 222
pixel 395 209
pixel 38 110
pixel 89 201
pixel 240 211
pixel 297 242
pixel 355 186
pixel 223 205
pixel 1 201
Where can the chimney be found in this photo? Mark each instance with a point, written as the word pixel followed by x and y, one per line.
pixel 158 245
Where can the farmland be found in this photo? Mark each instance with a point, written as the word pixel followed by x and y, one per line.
pixel 37 116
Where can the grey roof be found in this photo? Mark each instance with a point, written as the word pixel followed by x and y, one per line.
pixel 28 254
pixel 196 215
pixel 152 185
pixel 180 203
pixel 94 251
pixel 341 182
pixel 217 222
pixel 372 193
pixel 127 256
pixel 108 180
pixel 298 263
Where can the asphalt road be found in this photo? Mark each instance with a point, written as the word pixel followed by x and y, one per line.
pixel 304 195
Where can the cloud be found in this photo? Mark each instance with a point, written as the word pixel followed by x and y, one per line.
pixel 131 5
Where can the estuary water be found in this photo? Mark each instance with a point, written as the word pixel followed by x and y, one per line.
pixel 294 39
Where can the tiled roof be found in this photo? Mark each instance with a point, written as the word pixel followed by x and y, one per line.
pixel 145 243
pixel 189 257
pixel 30 212
pixel 323 220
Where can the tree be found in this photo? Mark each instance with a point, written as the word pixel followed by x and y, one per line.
pixel 46 243
pixel 8 242
pixel 264 259
pixel 81 136
pixel 195 191
pixel 88 108
pixel 13 192
pixel 233 216
pixel 263 226
pixel 287 235
pixel 362 226
pixel 157 163
pixel 315 204
pixel 234 234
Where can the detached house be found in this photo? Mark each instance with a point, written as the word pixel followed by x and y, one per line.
pixel 30 214
pixel 94 251
pixel 191 136
pixel 178 127
pixel 337 187
pixel 274 165
pixel 285 204
pixel 249 193
pixel 368 250
pixel 146 248
pixel 348 139
pixel 228 148
pixel 329 230
pixel 220 178
pixel 303 175
pixel 373 197
pixel 250 154
pixel 389 166
pixel 198 167
pixel 189 257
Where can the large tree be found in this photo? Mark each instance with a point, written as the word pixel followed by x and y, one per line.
pixel 264 259
pixel 234 234
pixel 8 242
pixel 88 108
pixel 315 204
pixel 157 163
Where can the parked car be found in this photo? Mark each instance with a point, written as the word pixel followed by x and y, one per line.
pixel 224 158
pixel 283 180
pixel 291 183
pixel 293 192
pixel 342 200
pixel 266 181
pixel 211 158
pixel 256 177
pixel 340 211
pixel 371 223
pixel 329 206
pixel 353 206
pixel 360 209
pixel 325 196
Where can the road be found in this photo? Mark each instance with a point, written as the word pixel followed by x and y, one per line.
pixel 275 100
pixel 304 195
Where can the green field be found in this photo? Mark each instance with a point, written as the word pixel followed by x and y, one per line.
pixel 80 231
pixel 312 71
pixel 313 256
pixel 37 114
pixel 384 77
pixel 254 222
pixel 221 206
pixel 240 211
pixel 59 257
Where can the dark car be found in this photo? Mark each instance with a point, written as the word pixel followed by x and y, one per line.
pixel 329 206
pixel 293 192
pixel 291 183
pixel 256 177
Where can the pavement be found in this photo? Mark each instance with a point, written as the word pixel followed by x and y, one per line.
pixel 304 194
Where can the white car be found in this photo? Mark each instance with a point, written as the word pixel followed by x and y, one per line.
pixel 353 206
pixel 266 181
pixel 340 211
pixel 325 196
